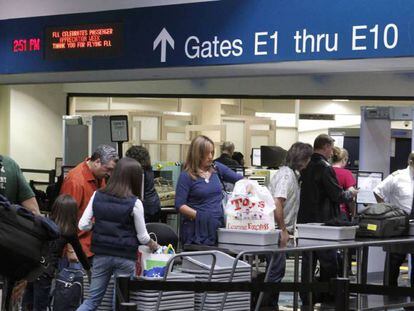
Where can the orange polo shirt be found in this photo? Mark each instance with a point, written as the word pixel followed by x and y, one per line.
pixel 80 183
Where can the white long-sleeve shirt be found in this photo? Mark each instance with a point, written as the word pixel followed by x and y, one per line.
pixel 85 223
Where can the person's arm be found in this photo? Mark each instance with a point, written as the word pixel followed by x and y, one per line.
pixel 26 196
pixel 333 189
pixel 139 222
pixel 85 223
pixel 227 174
pixel 280 220
pixel 187 211
pixel 77 247
pixel 384 189
pixel 350 185
pixel 181 196
pixel 379 199
pixel 31 205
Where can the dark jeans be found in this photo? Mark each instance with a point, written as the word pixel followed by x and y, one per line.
pixel 152 218
pixel 328 270
pixel 276 274
pixel 395 261
pixel 37 294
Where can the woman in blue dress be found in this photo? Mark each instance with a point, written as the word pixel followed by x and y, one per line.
pixel 199 193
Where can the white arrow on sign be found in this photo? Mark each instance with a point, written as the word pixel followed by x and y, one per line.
pixel 163 38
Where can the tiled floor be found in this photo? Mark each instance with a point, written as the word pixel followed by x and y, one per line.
pixel 286 299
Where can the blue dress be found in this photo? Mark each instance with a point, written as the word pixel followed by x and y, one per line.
pixel 205 198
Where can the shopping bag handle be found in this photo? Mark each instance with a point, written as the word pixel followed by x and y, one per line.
pixel 155 236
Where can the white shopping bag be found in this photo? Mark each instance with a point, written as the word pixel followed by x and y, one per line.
pixel 250 211
pixel 150 260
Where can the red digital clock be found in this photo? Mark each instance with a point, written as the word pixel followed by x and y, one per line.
pixel 26 45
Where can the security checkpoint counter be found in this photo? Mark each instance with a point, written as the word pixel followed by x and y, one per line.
pixel 307 245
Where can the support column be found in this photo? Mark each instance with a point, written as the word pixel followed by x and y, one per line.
pixel 375 144
pixel 374 155
pixel 211 115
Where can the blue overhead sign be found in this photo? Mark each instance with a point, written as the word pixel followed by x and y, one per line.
pixel 210 33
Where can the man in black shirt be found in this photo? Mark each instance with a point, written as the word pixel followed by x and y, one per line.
pixel 319 202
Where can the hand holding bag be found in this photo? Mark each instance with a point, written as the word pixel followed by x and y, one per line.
pixel 148 259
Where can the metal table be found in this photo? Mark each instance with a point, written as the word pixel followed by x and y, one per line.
pixel 308 245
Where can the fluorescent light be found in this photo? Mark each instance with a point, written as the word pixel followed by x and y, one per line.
pixel 340 100
pixel 177 113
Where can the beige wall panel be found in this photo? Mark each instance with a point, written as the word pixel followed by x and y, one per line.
pixel 235 132
pixel 36 124
pixel 285 137
pixel 4 119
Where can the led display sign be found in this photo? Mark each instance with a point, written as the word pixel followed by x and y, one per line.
pixel 26 45
pixel 89 41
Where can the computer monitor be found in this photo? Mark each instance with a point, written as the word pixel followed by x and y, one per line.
pixel 255 157
pixel 272 156
pixel 366 182
pixel 239 170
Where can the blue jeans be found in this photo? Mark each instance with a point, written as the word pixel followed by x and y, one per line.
pixel 37 294
pixel 102 270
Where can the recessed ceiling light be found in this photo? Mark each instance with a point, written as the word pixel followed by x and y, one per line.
pixel 340 100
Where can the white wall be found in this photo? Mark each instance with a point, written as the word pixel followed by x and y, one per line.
pixel 4 119
pixel 36 124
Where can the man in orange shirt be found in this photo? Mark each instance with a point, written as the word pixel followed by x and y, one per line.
pixel 82 181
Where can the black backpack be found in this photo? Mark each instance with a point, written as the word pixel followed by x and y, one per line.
pixel 24 241
pixel 68 292
pixel 383 220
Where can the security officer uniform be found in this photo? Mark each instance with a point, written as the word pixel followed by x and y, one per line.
pixel 397 190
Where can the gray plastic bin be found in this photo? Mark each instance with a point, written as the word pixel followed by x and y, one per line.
pixel 318 231
pixel 244 237
pixel 411 228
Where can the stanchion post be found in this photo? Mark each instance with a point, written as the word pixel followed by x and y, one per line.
pixel 341 292
pixel 128 306
pixel 121 287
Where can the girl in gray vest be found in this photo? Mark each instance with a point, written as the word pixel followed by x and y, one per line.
pixel 118 228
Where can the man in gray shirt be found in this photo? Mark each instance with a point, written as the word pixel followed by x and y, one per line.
pixel 285 190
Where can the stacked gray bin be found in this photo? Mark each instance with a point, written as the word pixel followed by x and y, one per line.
pixel 146 300
pixel 107 300
pixel 199 266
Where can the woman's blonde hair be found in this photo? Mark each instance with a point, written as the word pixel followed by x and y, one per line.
pixel 339 154
pixel 196 152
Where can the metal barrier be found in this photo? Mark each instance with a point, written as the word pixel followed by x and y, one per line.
pixel 340 288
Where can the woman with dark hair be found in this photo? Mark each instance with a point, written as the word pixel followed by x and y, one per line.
pixel 151 201
pixel 65 215
pixel 239 157
pixel 118 228
pixel 199 193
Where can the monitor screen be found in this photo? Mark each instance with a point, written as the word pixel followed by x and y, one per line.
pixel 366 182
pixel 239 170
pixel 255 156
pixel 272 156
